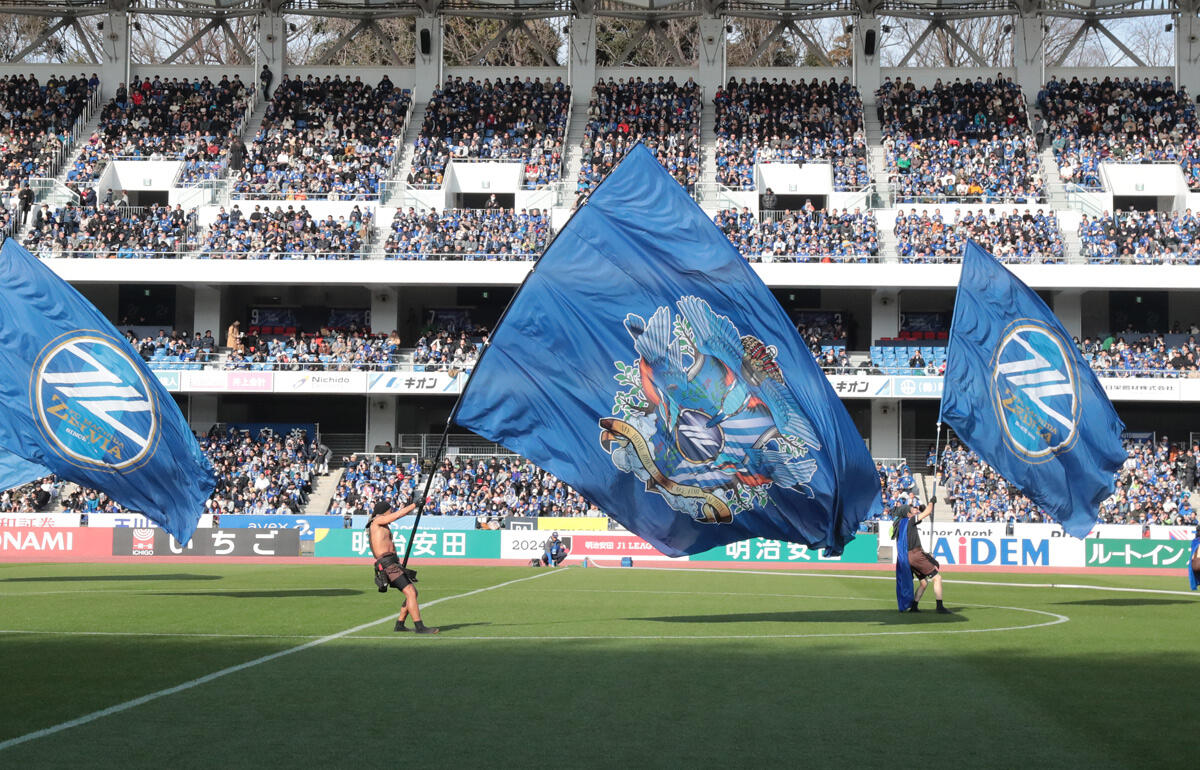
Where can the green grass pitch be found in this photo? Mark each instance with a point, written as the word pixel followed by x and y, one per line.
pixel 590 667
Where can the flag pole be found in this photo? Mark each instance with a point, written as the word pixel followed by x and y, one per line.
pixel 425 495
pixel 937 459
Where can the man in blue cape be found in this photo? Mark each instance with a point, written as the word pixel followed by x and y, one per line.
pixel 912 560
pixel 1194 562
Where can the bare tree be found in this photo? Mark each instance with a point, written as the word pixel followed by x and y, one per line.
pixel 156 38
pixel 517 43
pixel 65 45
pixel 649 43
pixel 321 40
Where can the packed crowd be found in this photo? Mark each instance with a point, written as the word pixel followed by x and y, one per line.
pixel 662 114
pixel 969 141
pixel 111 231
pixel 1132 120
pixel 30 498
pixel 807 235
pixel 492 487
pixel 491 234
pixel 1141 237
pixel 509 119
pixel 264 474
pixel 1133 354
pixel 790 122
pixel 444 350
pixel 193 120
pixel 174 346
pixel 329 137
pixel 333 351
pixel 37 120
pixel 291 233
pixel 897 484
pixel 1017 236
pixel 1154 487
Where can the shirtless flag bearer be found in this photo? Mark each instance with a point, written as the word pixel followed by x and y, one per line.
pixel 388 571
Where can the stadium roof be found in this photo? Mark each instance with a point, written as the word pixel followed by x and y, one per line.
pixel 1091 9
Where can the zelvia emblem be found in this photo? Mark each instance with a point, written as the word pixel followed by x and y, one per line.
pixel 705 418
pixel 1035 391
pixel 92 402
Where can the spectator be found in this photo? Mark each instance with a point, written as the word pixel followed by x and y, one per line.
pixel 663 115
pixel 509 119
pixel 265 77
pixel 789 122
pixel 809 235
pixel 962 140
pixel 488 234
pixel 1018 236
pixel 328 137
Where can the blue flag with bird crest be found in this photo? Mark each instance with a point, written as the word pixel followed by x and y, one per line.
pixel 646 364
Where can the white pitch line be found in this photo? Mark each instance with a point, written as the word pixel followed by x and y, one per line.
pixel 776 573
pixel 92 717
pixel 159 591
pixel 1055 620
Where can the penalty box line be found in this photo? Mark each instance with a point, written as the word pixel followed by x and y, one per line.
pixel 129 704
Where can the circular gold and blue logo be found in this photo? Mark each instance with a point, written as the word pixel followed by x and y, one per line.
pixel 93 402
pixel 1035 390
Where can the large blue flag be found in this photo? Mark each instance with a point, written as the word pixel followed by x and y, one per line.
pixel 645 363
pixel 77 400
pixel 1018 392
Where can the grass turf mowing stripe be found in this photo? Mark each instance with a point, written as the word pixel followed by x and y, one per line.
pixel 86 718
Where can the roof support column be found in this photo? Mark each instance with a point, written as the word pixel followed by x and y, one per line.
pixel 867 72
pixel 114 56
pixel 271 46
pixel 1187 51
pixel 1028 49
pixel 428 57
pixel 711 75
pixel 581 60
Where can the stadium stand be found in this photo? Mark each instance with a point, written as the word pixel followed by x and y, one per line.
pixel 967 140
pixel 488 234
pixel 291 233
pixel 1129 120
pixel 662 114
pixel 108 231
pixel 39 122
pixel 1141 238
pixel 491 487
pixel 1152 488
pixel 1016 236
pixel 509 119
pixel 264 474
pixel 191 120
pixel 789 121
pixel 324 137
pixel 808 235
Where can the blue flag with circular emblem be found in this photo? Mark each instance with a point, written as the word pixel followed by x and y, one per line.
pixel 1018 392
pixel 647 365
pixel 76 400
